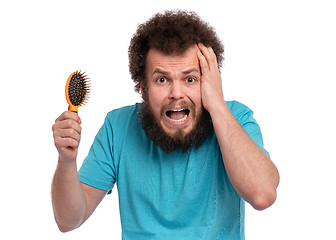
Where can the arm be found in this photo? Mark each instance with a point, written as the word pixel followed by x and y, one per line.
pixel 73 202
pixel 251 172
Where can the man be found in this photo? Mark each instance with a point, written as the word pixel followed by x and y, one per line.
pixel 185 161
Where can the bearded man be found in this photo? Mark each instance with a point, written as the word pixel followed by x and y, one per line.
pixel 184 160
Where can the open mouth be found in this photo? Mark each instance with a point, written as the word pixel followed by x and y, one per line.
pixel 178 115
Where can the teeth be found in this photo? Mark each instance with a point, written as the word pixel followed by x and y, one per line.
pixel 177 110
pixel 179 120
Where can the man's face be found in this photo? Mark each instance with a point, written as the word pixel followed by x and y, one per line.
pixel 174 90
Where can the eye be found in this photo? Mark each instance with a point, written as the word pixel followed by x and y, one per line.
pixel 161 80
pixel 190 79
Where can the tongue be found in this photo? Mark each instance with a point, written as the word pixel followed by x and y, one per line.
pixel 176 115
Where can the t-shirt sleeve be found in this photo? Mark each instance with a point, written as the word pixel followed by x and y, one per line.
pixel 98 169
pixel 244 116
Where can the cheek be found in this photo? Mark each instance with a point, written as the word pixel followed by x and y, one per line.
pixel 156 100
pixel 196 98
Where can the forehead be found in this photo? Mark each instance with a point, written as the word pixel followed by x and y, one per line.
pixel 156 58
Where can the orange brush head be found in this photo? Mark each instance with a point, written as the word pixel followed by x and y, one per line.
pixel 77 90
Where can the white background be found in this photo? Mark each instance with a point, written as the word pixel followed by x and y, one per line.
pixel 280 59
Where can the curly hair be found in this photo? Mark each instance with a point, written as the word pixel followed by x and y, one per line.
pixel 173 33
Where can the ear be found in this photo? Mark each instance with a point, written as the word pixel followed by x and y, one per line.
pixel 143 90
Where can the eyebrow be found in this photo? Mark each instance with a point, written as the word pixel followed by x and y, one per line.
pixel 160 71
pixel 186 72
pixel 190 71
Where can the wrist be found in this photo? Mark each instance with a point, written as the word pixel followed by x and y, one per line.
pixel 66 163
pixel 217 108
pixel 222 116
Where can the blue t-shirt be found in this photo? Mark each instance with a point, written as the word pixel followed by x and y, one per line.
pixel 167 195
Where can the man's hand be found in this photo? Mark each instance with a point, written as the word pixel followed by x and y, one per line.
pixel 67 133
pixel 211 81
pixel 251 172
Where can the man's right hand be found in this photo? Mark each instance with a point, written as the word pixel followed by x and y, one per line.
pixel 67 132
pixel 73 201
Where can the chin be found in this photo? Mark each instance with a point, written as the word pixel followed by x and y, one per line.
pixel 178 131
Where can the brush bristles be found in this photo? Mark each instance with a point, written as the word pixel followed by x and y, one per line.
pixel 79 88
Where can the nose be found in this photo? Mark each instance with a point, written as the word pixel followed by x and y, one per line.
pixel 176 91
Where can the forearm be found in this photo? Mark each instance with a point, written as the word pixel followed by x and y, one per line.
pixel 251 172
pixel 68 198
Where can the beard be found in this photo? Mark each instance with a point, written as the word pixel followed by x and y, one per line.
pixel 179 140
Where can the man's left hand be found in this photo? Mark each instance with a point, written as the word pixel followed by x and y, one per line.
pixel 211 81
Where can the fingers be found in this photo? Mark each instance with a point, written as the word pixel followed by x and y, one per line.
pixel 67 124
pixel 211 81
pixel 203 63
pixel 63 144
pixel 67 132
pixel 69 115
pixel 207 57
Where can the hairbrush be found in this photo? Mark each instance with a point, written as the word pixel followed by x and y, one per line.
pixel 77 90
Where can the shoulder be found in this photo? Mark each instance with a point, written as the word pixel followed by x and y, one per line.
pixel 244 116
pixel 123 114
pixel 238 109
pixel 124 111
